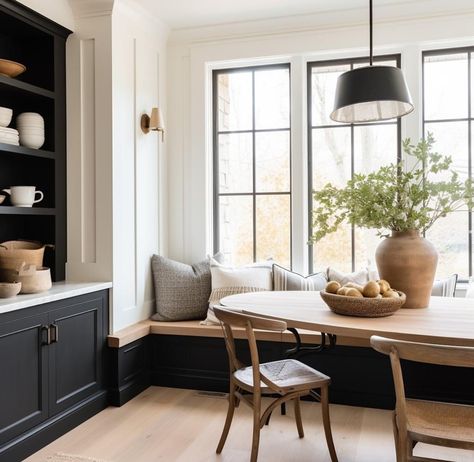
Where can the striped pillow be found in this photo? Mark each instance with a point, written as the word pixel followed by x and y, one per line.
pixel 445 287
pixel 284 279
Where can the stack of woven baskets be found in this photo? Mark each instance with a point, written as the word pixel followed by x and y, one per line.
pixel 22 262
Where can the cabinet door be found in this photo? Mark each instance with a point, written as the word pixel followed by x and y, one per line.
pixel 23 375
pixel 75 356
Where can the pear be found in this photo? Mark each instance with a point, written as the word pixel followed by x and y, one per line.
pixel 371 289
pixel 332 287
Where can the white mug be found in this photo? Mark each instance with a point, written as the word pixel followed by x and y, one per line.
pixel 24 196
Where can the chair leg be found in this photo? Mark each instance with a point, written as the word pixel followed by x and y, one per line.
pixel 409 449
pixel 299 422
pixel 327 423
pixel 228 420
pixel 256 426
pixel 396 436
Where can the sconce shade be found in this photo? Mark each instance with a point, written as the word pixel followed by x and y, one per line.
pixel 371 93
pixel 156 120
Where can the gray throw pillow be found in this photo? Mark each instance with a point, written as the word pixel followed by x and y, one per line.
pixel 182 291
pixel 284 279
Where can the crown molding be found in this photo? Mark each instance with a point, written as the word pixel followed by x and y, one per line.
pixel 402 11
pixel 140 15
pixel 91 8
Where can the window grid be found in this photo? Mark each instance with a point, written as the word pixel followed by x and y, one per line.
pixel 216 132
pixel 469 51
pixel 310 127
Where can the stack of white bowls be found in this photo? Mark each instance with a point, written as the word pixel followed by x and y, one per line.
pixel 30 125
pixel 7 135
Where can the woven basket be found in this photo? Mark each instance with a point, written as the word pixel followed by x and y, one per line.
pixel 14 253
pixel 363 307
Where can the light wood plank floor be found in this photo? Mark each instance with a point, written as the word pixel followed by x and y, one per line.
pixel 164 424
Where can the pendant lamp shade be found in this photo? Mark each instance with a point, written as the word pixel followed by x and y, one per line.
pixel 371 93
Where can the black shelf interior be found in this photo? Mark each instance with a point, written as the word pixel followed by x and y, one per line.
pixel 23 101
pixel 23 87
pixel 28 45
pixel 6 149
pixel 40 44
pixel 21 171
pixel 10 210
pixel 33 228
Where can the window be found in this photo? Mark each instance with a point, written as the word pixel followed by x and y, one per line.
pixel 448 104
pixel 335 152
pixel 252 181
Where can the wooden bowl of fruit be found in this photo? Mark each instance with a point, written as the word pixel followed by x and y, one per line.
pixel 373 300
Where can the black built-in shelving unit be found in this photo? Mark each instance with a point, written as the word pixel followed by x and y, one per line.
pixel 35 41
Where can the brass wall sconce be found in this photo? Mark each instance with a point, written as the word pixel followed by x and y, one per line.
pixel 153 122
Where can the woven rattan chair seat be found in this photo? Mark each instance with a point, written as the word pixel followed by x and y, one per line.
pixel 287 374
pixel 441 420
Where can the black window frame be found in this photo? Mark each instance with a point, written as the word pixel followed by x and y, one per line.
pixel 215 156
pixel 469 50
pixel 334 62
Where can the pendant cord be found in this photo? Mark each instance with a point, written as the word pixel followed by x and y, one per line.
pixel 371 22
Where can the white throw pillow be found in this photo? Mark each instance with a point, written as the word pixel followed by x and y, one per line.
pixel 445 287
pixel 228 280
pixel 359 277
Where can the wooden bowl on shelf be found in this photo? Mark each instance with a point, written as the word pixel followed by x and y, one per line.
pixel 9 289
pixel 11 68
pixel 362 306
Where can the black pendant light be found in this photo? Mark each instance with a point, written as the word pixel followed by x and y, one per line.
pixel 371 93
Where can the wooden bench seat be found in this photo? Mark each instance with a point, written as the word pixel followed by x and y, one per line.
pixel 195 329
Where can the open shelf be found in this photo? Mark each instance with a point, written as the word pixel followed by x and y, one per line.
pixel 10 210
pixel 39 44
pixel 4 147
pixel 24 87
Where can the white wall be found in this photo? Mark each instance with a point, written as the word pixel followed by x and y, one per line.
pixel 139 180
pixel 193 53
pixel 116 182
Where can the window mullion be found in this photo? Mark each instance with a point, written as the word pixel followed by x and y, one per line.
pixel 254 176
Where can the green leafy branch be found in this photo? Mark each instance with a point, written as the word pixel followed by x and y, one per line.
pixel 396 197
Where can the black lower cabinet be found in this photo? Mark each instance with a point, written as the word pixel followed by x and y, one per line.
pixel 52 377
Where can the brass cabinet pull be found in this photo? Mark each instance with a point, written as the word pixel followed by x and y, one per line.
pixel 48 335
pixel 55 335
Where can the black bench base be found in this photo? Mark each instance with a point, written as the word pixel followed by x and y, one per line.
pixel 360 376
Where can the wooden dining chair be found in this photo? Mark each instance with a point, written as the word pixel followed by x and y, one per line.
pixel 441 424
pixel 288 379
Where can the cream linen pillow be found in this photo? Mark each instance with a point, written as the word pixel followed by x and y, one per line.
pixel 359 277
pixel 228 280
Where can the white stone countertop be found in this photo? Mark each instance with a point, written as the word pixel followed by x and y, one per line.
pixel 59 291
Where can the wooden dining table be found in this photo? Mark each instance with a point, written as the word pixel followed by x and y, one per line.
pixel 448 321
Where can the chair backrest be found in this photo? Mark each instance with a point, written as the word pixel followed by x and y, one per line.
pixel 445 355
pixel 230 318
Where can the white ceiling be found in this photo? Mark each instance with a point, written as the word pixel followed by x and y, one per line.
pixel 179 14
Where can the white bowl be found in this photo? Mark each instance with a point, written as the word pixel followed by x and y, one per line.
pixel 29 124
pixel 5 116
pixel 9 131
pixel 31 141
pixel 30 116
pixel 31 131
